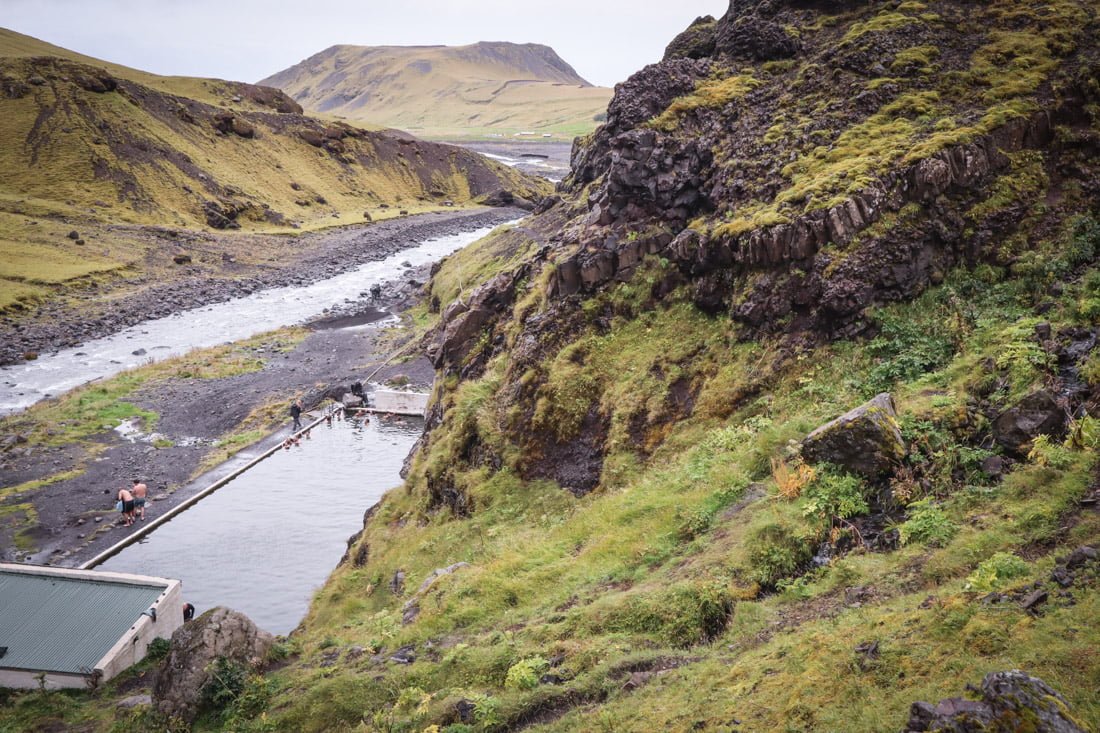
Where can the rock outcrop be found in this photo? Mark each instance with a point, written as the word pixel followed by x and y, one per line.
pixel 866 440
pixel 1010 702
pixel 195 646
pixel 1037 414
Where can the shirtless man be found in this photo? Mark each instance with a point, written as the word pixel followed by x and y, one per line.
pixel 140 491
pixel 127 500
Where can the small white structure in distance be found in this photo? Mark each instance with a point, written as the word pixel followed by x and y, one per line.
pixel 61 627
pixel 399 402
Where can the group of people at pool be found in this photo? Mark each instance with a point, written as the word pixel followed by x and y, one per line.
pixel 131 502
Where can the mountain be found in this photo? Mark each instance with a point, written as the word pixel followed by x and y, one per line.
pixel 96 144
pixel 448 91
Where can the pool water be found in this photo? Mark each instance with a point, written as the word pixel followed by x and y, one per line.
pixel 264 542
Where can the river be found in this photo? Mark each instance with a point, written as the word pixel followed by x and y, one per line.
pixel 21 385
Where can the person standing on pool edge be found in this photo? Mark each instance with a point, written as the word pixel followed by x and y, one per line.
pixel 296 413
pixel 127 500
pixel 140 491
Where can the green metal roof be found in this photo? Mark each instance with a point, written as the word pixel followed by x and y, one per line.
pixel 56 624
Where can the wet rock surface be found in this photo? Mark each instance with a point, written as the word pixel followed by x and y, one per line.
pixel 1036 414
pixel 195 647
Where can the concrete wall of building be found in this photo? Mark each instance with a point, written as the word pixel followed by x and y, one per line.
pixel 398 402
pixel 24 679
pixel 132 647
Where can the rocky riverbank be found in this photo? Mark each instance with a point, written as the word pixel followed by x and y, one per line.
pixel 99 311
pixel 72 507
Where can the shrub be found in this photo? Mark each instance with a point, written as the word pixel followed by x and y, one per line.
pixel 834 495
pixel 927 524
pixel 994 572
pixel 791 482
pixel 1049 453
pixel 907 347
pixel 525 674
pixel 486 710
pixel 777 552
pixel 227 681
pixel 158 649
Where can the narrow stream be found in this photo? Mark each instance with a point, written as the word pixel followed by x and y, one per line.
pixel 22 385
pixel 264 542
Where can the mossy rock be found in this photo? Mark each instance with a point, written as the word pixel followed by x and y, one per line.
pixel 866 440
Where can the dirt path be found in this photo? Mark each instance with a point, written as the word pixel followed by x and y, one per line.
pixel 76 517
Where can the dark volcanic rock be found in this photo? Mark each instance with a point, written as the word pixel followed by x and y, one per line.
pixel 696 42
pixel 754 38
pixel 1034 415
pixel 221 215
pixel 1011 701
pixel 866 440
pixel 644 95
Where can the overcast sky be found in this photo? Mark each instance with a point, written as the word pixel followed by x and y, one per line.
pixel 247 40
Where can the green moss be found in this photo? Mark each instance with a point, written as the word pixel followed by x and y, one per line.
pixel 710 94
pixel 919 58
pixel 887 20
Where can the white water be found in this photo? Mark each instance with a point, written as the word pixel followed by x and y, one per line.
pixel 22 385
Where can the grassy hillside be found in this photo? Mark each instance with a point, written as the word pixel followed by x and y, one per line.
pixel 448 91
pixel 87 144
pixel 618 454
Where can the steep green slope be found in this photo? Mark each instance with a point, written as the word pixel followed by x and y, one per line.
pixel 818 205
pixel 448 91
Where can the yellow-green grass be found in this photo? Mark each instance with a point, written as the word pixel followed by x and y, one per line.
pixel 711 94
pixel 73 152
pixel 47 265
pixel 211 91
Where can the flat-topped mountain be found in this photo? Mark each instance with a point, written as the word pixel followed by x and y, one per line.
pixel 447 91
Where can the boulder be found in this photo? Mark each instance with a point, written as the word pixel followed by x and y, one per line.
pixel 697 42
pixel 866 440
pixel 221 215
pixel 243 129
pixel 1034 415
pixel 97 82
pixel 754 38
pixel 350 400
pixel 195 647
pixel 1011 701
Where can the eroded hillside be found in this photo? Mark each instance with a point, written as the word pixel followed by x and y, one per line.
pixel 87 146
